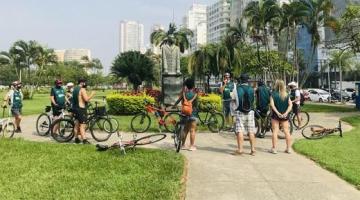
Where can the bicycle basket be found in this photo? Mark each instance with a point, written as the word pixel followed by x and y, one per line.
pixel 47 108
pixel 100 111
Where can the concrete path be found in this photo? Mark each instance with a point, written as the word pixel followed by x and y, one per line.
pixel 215 174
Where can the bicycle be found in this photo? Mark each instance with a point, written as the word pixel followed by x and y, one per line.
pixel 304 117
pixel 263 125
pixel 149 139
pixel 45 120
pixel 140 123
pixel 313 132
pixel 7 127
pixel 99 125
pixel 213 119
pixel 114 122
pixel 179 139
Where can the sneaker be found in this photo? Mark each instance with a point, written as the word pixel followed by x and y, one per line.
pixel 287 151
pixel 273 151
pixel 18 130
pixel 86 142
pixel 77 141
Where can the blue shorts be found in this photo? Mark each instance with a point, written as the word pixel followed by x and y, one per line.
pixel 16 112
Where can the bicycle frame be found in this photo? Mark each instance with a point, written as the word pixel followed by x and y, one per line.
pixel 5 121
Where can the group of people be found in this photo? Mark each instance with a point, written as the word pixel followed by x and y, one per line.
pixel 74 98
pixel 240 100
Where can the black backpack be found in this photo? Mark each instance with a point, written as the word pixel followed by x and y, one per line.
pixel 244 104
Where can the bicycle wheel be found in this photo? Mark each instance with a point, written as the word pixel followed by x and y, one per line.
pixel 114 125
pixel 178 137
pixel 304 117
pixel 216 122
pixel 313 132
pixel 101 129
pixel 8 130
pixel 149 139
pixel 140 123
pixel 43 124
pixel 62 130
pixel 170 121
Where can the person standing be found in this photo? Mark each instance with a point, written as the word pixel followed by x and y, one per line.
pixel 14 98
pixel 295 97
pixel 226 88
pixel 244 117
pixel 57 97
pixel 79 102
pixel 281 106
pixel 262 98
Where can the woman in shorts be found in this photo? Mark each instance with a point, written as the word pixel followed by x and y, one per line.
pixel 281 106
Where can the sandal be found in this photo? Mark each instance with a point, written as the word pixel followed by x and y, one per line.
pixel 273 151
pixel 237 153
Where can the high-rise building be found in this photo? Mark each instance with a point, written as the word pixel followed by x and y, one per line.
pixel 195 20
pixel 218 20
pixel 69 55
pixel 131 36
pixel 156 49
pixel 237 10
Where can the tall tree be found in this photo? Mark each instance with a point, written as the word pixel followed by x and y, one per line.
pixel 173 36
pixel 133 65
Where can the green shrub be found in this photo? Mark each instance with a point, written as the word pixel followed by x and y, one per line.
pixel 124 104
pixel 26 93
pixel 213 99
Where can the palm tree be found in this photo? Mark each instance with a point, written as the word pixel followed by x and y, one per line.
pixel 203 62
pixel 317 14
pixel 262 17
pixel 11 59
pixel 172 37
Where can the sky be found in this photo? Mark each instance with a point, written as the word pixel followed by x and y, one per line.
pixel 91 24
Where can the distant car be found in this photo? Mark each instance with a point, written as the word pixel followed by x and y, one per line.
pixel 349 91
pixel 318 95
pixel 335 96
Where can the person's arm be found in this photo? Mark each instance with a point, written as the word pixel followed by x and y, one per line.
pixel 273 107
pixel 84 95
pixel 290 105
pixel 52 97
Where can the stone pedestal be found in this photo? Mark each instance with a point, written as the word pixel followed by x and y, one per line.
pixel 171 88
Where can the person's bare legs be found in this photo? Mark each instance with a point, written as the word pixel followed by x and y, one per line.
pixel 299 119
pixel 252 142
pixel 285 125
pixel 82 128
pixel 240 141
pixel 17 121
pixel 185 134
pixel 275 129
pixel 192 135
pixel 77 129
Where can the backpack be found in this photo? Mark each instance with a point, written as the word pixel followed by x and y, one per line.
pixel 244 104
pixel 302 99
pixel 187 107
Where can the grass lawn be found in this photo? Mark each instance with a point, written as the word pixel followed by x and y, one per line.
pixel 339 155
pixel 31 170
pixel 327 108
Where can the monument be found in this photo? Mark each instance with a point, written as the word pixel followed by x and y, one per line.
pixel 171 75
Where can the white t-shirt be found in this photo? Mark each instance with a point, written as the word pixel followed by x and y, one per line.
pixel 297 95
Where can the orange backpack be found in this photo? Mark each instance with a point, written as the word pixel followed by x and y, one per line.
pixel 187 107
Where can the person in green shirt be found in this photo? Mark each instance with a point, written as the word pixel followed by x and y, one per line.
pixel 57 97
pixel 262 98
pixel 14 98
pixel 226 89
pixel 281 106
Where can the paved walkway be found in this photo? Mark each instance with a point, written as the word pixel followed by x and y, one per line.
pixel 215 174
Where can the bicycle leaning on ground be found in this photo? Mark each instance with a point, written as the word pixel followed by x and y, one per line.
pixel 313 132
pixel 45 120
pixel 100 126
pixel 122 145
pixel 7 127
pixel 141 122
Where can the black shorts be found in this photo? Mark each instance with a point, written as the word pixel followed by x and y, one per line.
pixel 296 109
pixel 226 107
pixel 80 114
pixel 56 110
pixel 274 116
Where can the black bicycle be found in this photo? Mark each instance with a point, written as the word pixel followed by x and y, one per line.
pixel 304 118
pixel 313 132
pixel 179 135
pixel 213 119
pixel 100 126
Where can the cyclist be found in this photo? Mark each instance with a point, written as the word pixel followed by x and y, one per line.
pixel 57 97
pixel 14 98
pixel 295 97
pixel 79 101
pixel 226 89
pixel 262 98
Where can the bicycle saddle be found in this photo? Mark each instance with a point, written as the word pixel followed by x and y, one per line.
pixel 101 147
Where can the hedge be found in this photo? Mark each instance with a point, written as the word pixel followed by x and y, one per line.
pixel 120 104
pixel 213 99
